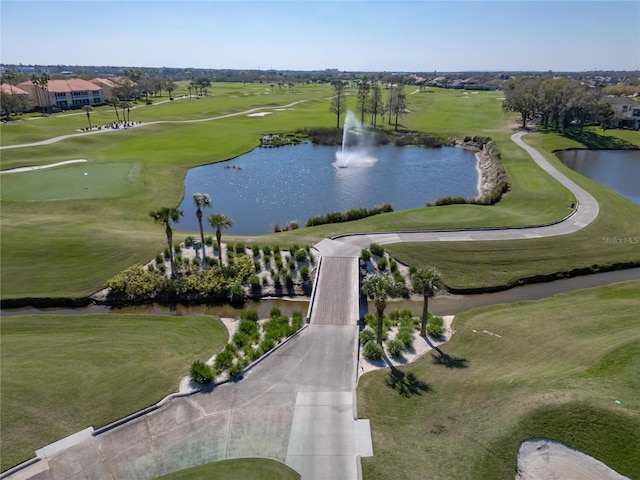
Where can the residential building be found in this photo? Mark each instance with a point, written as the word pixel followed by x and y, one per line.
pixel 64 94
pixel 627 112
pixel 106 85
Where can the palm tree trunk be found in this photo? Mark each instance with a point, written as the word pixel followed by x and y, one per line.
pixel 169 242
pixel 380 322
pixel 219 237
pixel 199 215
pixel 425 314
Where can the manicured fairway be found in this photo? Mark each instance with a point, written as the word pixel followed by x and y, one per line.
pixel 551 368
pixel 236 469
pixel 61 374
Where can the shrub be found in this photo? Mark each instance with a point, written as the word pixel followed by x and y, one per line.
pixel 267 344
pixel 223 360
pixel 275 312
pixel 254 281
pixel 393 265
pixel 304 272
pixel 239 248
pixel 276 249
pixel 377 250
pixel 201 373
pixel 266 249
pixel 241 340
pixel 382 264
pixel 373 351
pixel 253 353
pixel 301 255
pixel 208 240
pixel 188 241
pixel 236 369
pixel 167 254
pixel 395 347
pixel 367 335
pixel 196 261
pixel 177 248
pixel 250 314
pixel 297 320
pixel 255 249
pixel 371 320
pixel 159 259
pixel 365 254
pixel 435 331
pixel 249 328
pixel 405 335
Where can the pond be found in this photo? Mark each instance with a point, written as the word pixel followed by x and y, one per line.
pixel 278 185
pixel 618 170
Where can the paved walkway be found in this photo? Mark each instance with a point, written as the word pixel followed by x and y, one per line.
pixel 298 404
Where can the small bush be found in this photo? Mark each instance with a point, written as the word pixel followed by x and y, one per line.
pixel 167 254
pixel 188 241
pixel 297 320
pixel 250 314
pixel 371 320
pixel 367 335
pixel 255 249
pixel 365 254
pixel 382 264
pixel 253 353
pixel 377 250
pixel 267 344
pixel 304 272
pixel 249 328
pixel 223 360
pixel 159 259
pixel 208 240
pixel 239 248
pixel 235 370
pixel 405 335
pixel 254 281
pixel 395 347
pixel 435 331
pixel 301 255
pixel 373 351
pixel 275 312
pixel 177 248
pixel 241 340
pixel 201 373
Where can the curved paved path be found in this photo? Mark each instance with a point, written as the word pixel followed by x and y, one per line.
pixel 297 405
pixel 586 211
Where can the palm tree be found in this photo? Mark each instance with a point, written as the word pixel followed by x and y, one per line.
pixel 380 287
pixel 165 216
pixel 426 281
pixel 88 110
pixel 219 221
pixel 201 200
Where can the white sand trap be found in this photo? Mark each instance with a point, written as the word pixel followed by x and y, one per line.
pixel 259 114
pixel 499 98
pixel 40 167
pixel 541 459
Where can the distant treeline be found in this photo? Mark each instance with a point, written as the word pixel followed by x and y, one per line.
pixel 353 214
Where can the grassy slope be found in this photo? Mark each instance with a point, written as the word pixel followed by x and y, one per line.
pixel 237 469
pixel 554 371
pixel 61 374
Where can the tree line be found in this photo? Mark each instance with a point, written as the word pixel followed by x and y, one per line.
pixel 556 102
pixel 370 101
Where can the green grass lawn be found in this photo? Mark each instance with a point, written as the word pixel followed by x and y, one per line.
pixel 61 374
pixel 551 368
pixel 237 469
pixel 82 241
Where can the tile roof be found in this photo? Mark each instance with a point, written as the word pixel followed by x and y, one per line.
pixel 69 85
pixel 8 89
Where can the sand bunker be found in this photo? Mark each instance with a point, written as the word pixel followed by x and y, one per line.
pixel 541 459
pixel 259 114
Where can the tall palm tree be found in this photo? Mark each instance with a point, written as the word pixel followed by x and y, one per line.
pixel 219 221
pixel 164 216
pixel 201 200
pixel 88 109
pixel 426 281
pixel 380 287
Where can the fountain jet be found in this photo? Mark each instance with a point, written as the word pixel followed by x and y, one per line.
pixel 356 144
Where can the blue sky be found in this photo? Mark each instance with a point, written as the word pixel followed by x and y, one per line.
pixel 407 36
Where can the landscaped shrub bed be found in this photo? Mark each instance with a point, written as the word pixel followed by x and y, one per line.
pixel 353 214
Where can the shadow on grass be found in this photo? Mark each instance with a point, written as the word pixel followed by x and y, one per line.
pixel 441 358
pixel 592 140
pixel 406 384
